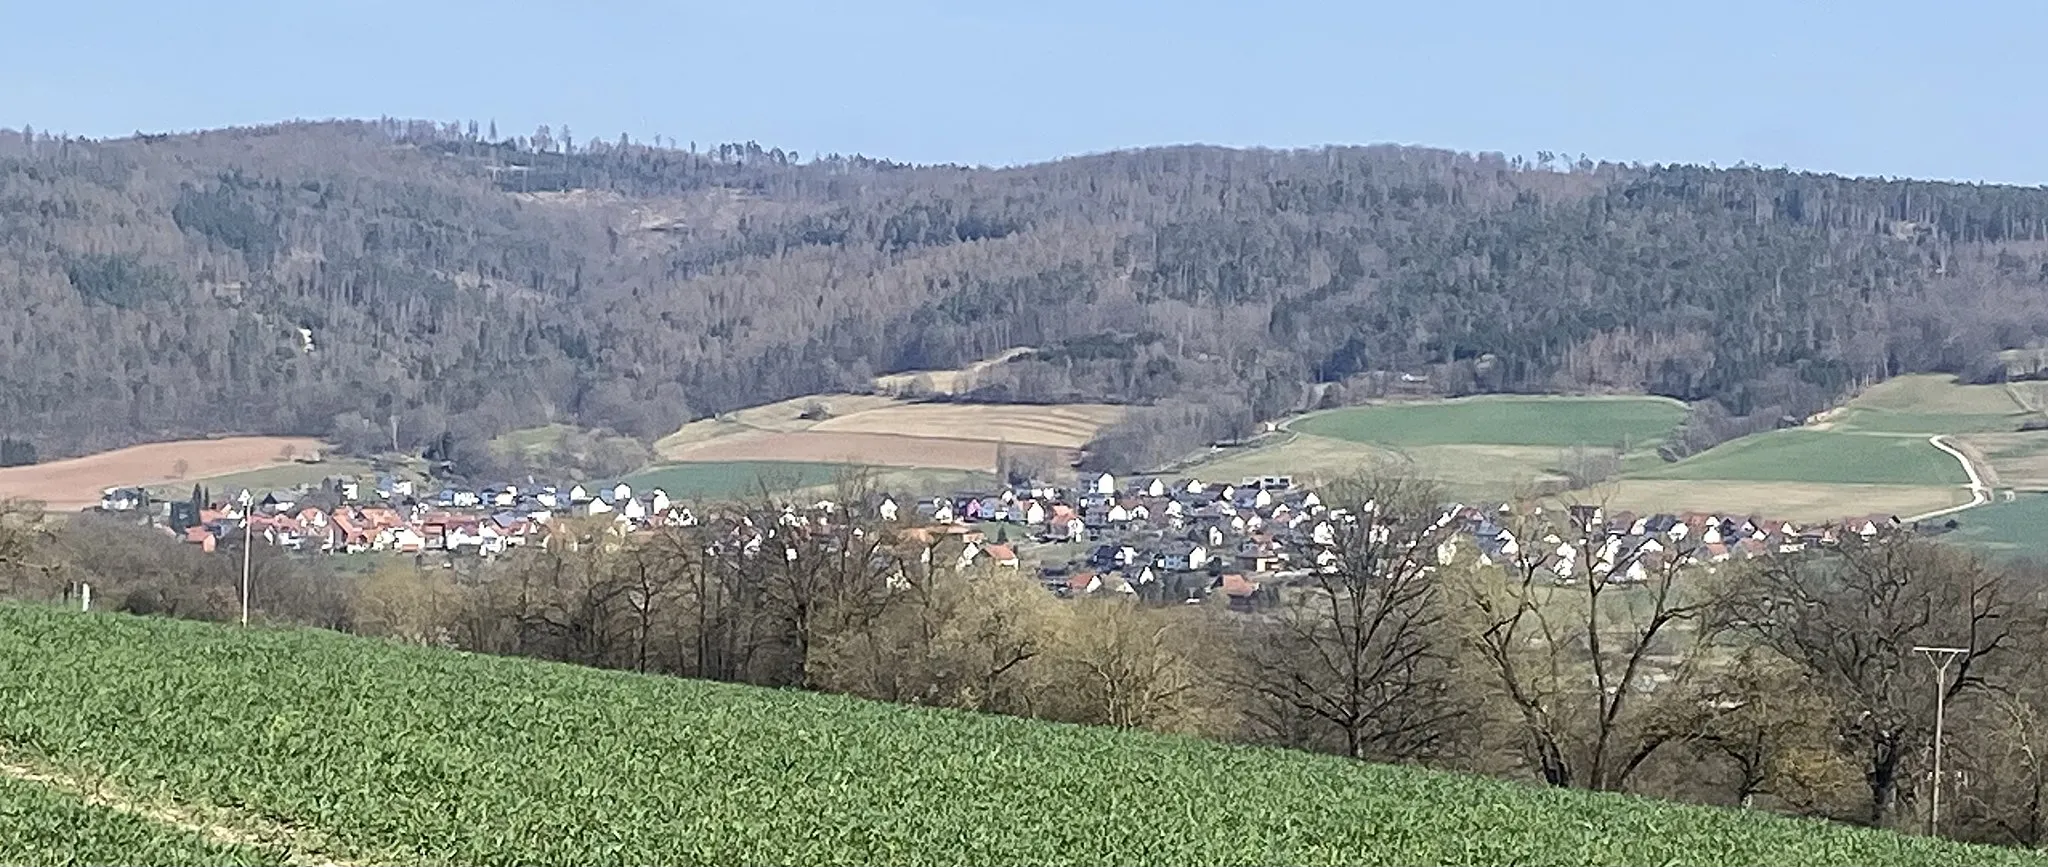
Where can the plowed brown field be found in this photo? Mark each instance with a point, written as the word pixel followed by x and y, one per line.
pixel 74 483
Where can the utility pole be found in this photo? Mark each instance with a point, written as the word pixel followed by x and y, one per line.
pixel 1939 657
pixel 248 535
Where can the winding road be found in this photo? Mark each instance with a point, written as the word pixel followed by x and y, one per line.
pixel 1980 493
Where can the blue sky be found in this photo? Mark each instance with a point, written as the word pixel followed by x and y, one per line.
pixel 1875 87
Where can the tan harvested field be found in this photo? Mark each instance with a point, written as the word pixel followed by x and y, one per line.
pixel 1798 501
pixel 2018 459
pixel 782 415
pixel 874 449
pixel 888 432
pixel 1065 426
pixel 74 483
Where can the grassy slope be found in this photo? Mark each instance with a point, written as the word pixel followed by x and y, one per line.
pixel 726 479
pixel 1503 420
pixel 40 825
pixel 2001 529
pixel 423 755
pixel 1821 457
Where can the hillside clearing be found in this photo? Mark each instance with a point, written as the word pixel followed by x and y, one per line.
pixel 417 755
pixel 75 483
pixel 948 381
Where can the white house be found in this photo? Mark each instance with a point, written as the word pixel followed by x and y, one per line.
pixel 1156 488
pixel 887 509
pixel 632 510
pixel 1185 558
pixel 120 499
pixel 1323 533
pixel 1032 512
pixel 622 491
pixel 657 501
pixel 578 496
pixel 1105 484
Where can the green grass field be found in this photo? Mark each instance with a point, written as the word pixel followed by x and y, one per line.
pixel 1820 457
pixel 1928 404
pixel 2005 530
pixel 1626 422
pixel 719 480
pixel 385 753
pixel 40 824
pixel 728 479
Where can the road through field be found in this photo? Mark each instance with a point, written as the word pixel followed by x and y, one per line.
pixel 1980 493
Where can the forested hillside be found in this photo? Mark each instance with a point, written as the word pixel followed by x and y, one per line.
pixel 454 280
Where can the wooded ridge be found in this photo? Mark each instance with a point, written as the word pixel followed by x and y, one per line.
pixel 385 283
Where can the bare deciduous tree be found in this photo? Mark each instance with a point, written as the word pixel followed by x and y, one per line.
pixel 1580 631
pixel 1850 616
pixel 1357 658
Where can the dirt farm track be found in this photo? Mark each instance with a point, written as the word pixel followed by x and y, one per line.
pixel 75 483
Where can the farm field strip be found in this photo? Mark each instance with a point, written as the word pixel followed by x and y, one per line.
pixel 417 755
pixel 1820 457
pixel 884 431
pixel 1797 501
pixel 1502 420
pixel 74 483
pixel 886 450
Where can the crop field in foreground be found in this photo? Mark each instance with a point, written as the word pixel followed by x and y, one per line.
pixel 40 824
pixel 396 754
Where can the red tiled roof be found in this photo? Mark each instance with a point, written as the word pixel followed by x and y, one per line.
pixel 1238 586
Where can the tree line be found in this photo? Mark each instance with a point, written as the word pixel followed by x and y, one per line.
pixel 454 280
pixel 1788 683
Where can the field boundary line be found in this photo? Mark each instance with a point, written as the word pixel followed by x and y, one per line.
pixel 269 838
pixel 1980 493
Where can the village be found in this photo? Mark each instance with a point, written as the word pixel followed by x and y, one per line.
pixel 1165 540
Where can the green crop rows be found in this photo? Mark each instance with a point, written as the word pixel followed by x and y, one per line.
pixel 414 755
pixel 40 825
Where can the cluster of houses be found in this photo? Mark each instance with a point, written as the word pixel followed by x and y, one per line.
pixel 344 515
pixel 1164 540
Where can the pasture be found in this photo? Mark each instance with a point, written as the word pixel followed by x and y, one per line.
pixel 1626 423
pixel 1819 457
pixel 2003 530
pixel 1492 447
pixel 348 751
pixel 75 483
pixel 730 480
